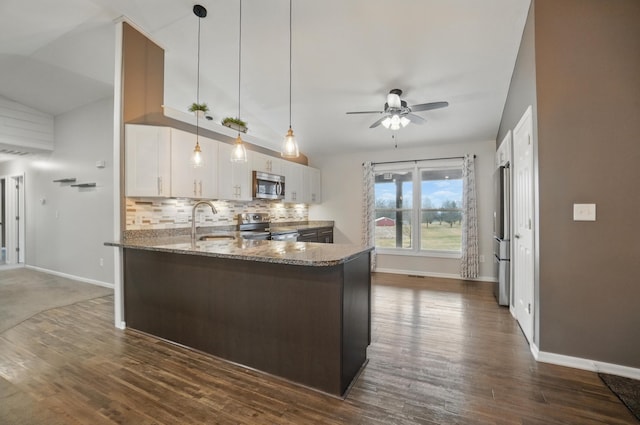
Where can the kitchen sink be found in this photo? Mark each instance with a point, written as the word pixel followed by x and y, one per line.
pixel 216 237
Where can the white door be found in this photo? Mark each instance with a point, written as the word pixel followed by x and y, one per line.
pixel 3 249
pixel 14 219
pixel 523 222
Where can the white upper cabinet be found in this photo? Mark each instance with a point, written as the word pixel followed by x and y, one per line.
pixel 302 184
pixel 314 185
pixel 266 163
pixel 188 181
pixel 147 161
pixel 293 182
pixel 234 178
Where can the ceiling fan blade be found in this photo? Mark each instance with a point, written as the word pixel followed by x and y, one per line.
pixel 365 112
pixel 377 123
pixel 415 119
pixel 429 106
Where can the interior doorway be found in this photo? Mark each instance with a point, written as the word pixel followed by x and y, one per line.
pixel 523 224
pixel 12 219
pixel 3 246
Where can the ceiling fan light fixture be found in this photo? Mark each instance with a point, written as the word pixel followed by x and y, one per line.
pixel 386 122
pixel 393 100
pixel 404 121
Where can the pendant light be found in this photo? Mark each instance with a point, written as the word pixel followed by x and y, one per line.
pixel 289 147
pixel 239 153
pixel 197 159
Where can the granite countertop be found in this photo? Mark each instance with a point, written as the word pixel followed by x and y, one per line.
pixel 282 252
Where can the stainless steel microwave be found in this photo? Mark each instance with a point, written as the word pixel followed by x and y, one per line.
pixel 267 186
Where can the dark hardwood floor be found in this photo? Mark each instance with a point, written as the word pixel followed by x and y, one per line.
pixel 443 352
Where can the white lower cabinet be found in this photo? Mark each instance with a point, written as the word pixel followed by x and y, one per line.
pixel 147 161
pixel 188 181
pixel 234 178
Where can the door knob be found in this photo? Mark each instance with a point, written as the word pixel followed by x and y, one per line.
pixel 517 236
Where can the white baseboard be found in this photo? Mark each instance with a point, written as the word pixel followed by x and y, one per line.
pixel 485 279
pixel 69 276
pixel 584 364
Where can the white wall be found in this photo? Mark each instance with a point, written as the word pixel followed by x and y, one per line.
pixel 66 227
pixel 342 202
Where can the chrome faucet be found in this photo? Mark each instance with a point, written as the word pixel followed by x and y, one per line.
pixel 193 217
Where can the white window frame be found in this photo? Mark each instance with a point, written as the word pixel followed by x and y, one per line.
pixel 416 167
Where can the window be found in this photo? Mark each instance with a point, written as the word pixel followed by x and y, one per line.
pixel 419 207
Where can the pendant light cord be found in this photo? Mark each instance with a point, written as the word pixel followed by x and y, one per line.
pixel 239 57
pixel 198 84
pixel 290 20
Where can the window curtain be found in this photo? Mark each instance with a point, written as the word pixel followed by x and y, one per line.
pixel 368 209
pixel 470 260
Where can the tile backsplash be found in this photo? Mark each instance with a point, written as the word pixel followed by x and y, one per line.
pixel 169 213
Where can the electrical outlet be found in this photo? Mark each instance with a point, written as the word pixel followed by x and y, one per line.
pixel 102 262
pixel 482 258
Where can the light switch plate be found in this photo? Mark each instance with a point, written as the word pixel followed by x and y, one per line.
pixel 584 212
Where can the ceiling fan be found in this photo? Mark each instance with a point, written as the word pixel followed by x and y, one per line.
pixel 397 114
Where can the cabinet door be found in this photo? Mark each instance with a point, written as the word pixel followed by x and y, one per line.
pixel 188 181
pixel 147 161
pixel 266 163
pixel 325 235
pixel 308 236
pixel 293 184
pixel 234 178
pixel 314 186
pixel 207 176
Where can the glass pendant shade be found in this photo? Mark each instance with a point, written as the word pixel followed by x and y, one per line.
pixel 238 153
pixel 197 159
pixel 289 146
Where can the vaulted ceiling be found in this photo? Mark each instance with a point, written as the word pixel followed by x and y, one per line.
pixel 347 55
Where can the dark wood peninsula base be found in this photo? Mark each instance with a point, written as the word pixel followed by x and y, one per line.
pixel 307 324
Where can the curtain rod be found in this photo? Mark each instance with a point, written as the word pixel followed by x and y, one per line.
pixel 415 161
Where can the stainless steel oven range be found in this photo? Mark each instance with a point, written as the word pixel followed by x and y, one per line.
pixel 257 226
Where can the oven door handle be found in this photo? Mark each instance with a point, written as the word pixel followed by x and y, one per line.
pixel 278 188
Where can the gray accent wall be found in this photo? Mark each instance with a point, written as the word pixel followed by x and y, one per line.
pixel 587 68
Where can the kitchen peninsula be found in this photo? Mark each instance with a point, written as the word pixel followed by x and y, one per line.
pixel 297 310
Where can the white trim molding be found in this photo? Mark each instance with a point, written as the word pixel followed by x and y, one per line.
pixel 584 364
pixel 69 276
pixel 483 279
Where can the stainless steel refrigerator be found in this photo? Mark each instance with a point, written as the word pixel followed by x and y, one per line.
pixel 501 234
